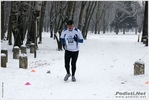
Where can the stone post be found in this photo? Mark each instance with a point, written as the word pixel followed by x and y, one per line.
pixel 23 61
pixel 16 52
pixel 32 47
pixel 3 60
pixel 5 51
pixel 23 49
pixel 139 67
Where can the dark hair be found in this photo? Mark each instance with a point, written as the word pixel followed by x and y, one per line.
pixel 70 22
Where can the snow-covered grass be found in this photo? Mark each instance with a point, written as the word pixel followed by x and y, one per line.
pixel 104 67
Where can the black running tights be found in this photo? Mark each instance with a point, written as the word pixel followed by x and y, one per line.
pixel 69 55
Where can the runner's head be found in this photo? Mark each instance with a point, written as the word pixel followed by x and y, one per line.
pixel 70 25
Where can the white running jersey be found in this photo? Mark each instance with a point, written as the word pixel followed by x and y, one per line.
pixel 68 36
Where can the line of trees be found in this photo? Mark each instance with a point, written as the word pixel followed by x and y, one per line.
pixel 31 18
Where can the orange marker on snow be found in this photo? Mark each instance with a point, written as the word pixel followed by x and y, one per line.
pixel 33 71
pixel 146 82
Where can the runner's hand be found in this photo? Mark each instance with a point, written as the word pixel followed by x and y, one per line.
pixel 75 38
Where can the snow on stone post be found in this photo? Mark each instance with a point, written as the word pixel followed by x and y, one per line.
pixel 23 49
pixel 32 47
pixel 16 52
pixel 23 61
pixel 3 60
pixel 139 67
pixel 5 51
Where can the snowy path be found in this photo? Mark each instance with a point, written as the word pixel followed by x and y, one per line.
pixel 105 61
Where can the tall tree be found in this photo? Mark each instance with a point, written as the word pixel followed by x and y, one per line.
pixel 41 20
pixel 17 22
pixel 2 20
pixel 125 17
pixel 80 22
pixel 9 36
pixel 88 15
pixel 32 32
pixel 145 24
pixel 7 13
pixel 63 16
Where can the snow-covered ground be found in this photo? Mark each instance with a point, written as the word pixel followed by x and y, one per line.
pixel 104 68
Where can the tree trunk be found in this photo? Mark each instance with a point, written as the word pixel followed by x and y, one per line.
pixel 136 29
pixel 123 29
pixel 104 29
pixel 29 24
pixel 145 23
pixel 7 13
pixel 116 29
pixel 83 3
pixel 89 13
pixel 58 42
pixel 96 27
pixel 41 20
pixel 74 7
pixel 18 20
pixel 51 30
pixel 32 30
pixel 9 32
pixel 2 20
pixel 92 11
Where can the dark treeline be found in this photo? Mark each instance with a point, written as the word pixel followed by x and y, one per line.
pixel 31 18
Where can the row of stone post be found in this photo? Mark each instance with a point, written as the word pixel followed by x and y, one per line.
pixel 23 60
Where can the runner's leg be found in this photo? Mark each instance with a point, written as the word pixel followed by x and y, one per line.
pixel 73 62
pixel 67 61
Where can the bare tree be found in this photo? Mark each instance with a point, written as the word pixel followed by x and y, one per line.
pixel 80 22
pixel 145 24
pixel 88 15
pixel 53 15
pixel 124 12
pixel 34 15
pixel 63 13
pixel 100 14
pixel 15 23
pixel 2 20
pixel 41 20
pixel 6 14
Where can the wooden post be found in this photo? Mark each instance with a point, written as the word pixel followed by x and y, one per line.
pixel 23 61
pixel 5 51
pixel 23 49
pixel 139 67
pixel 3 60
pixel 32 48
pixel 16 52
